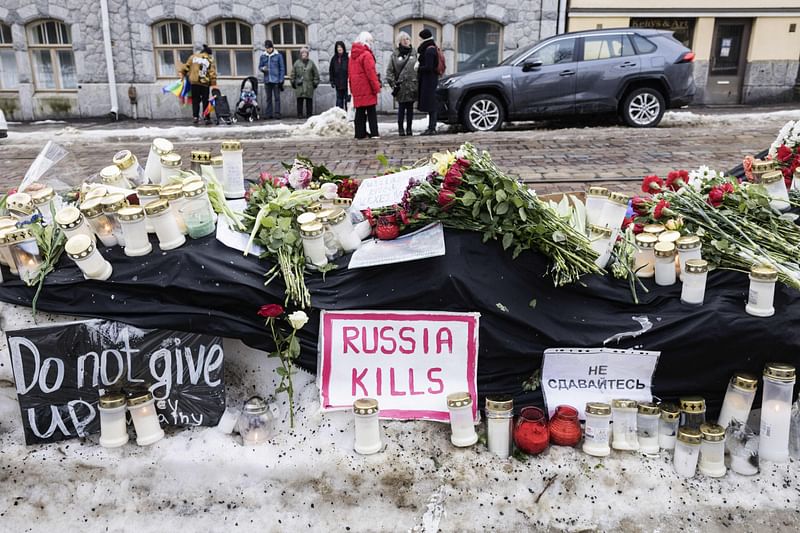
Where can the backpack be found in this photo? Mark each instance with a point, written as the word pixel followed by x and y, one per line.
pixel 440 63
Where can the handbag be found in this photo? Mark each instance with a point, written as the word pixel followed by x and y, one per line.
pixel 351 114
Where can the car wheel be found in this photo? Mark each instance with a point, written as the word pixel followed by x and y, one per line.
pixel 643 108
pixel 483 112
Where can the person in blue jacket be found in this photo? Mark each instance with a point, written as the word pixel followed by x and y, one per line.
pixel 272 66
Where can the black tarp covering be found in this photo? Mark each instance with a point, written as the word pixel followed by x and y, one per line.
pixel 208 288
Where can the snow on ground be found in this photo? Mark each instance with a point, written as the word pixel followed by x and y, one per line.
pixel 310 479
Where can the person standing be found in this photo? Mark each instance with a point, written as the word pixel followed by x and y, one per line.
pixel 402 78
pixel 202 77
pixel 272 66
pixel 364 85
pixel 428 75
pixel 337 73
pixel 305 79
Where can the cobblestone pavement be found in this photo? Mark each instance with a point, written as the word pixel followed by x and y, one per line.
pixel 551 159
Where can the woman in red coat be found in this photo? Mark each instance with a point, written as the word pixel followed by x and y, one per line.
pixel 364 85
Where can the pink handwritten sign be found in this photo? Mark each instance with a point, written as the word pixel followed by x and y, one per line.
pixel 408 360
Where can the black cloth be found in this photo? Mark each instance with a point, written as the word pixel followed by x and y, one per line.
pixel 363 116
pixel 337 72
pixel 199 99
pixel 206 287
pixel 427 76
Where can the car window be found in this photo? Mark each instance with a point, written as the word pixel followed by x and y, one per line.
pixel 643 45
pixel 557 52
pixel 606 47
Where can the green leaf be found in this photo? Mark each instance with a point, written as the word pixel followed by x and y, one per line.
pixel 383 160
pixel 476 209
pixel 508 240
pixel 532 304
pixel 281 371
pixel 502 208
pixel 469 198
pixel 522 214
pixel 294 348
pixel 500 195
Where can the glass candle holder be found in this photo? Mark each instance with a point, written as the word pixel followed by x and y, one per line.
pixel 564 426
pixel 232 169
pixel 665 263
pixel 596 436
pixel 256 423
pixel 152 168
pixel 776 405
pixel 776 188
pixel 129 165
pixel 170 168
pixel 647 427
pixel 600 241
pixel 111 205
pixel 44 201
pixel 654 229
pixel 694 282
pixel 462 425
pixel 738 399
pixel 194 183
pixel 82 250
pixel 668 426
pixel 174 195
pixel 531 432
pixel 147 194
pixel 7 225
pixel 102 226
pixel 614 209
pixel 111 176
pixel 26 254
pixel 762 291
pixel 196 211
pixel 333 248
pixel 693 411
pixel 199 158
pixel 145 418
pixel 132 221
pixel 367 426
pixel 160 215
pixel 113 426
pixel 343 229
pixel 712 450
pixel 313 245
pixel 596 198
pixel 623 415
pixel 645 260
pixel 499 424
pixel 689 247
pixel 687 451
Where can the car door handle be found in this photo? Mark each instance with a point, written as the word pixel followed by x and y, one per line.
pixel 627 64
pixel 566 73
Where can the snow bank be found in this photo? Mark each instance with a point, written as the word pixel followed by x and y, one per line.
pixel 698 118
pixel 331 123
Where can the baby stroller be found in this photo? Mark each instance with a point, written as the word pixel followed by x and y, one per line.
pixel 222 110
pixel 247 107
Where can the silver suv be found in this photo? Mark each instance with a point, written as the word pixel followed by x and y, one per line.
pixel 636 73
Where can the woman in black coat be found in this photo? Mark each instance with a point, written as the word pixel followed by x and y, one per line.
pixel 428 79
pixel 337 72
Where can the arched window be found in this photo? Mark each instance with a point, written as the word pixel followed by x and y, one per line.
pixel 414 26
pixel 232 43
pixel 478 44
pixel 50 45
pixel 172 43
pixel 8 63
pixel 288 37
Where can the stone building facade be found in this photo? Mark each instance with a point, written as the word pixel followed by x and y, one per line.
pixel 55 60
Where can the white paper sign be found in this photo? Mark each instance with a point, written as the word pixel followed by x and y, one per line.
pixel 423 243
pixel 574 376
pixel 235 239
pixel 407 360
pixel 383 191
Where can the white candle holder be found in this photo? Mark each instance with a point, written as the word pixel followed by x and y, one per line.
pixel 596 434
pixel 647 427
pixel 596 198
pixel 313 244
pixel 306 218
pixel 776 405
pixel 170 168
pixel 668 426
pixel 111 204
pixel 738 399
pixel 665 263
pixel 614 209
pixel 687 451
pixel 762 291
pixel 256 423
pixel 776 188
pixel 111 176
pixel 174 195
pixel 645 260
pixel 712 450
pixel 198 159
pixel 233 169
pixel 147 194
pixel 20 205
pixel 113 425
pixel 796 179
pixel 152 168
pixel 500 425
pixel 72 222
pixel 654 229
pixel 102 226
pixel 145 418
pixel 600 241
pixel 343 229
pixel 44 201
pixel 82 250
pixel 367 426
pixel 462 425
pixel 623 413
pixel 160 215
pixel 694 282
pixel 693 411
pixel 689 247
pixel 196 212
pixel 129 165
pixel 132 220
pixel 333 248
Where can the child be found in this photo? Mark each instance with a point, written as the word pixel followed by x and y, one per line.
pixel 248 96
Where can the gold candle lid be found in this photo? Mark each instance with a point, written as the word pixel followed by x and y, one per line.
pixel 231 146
pixel 95 192
pixel 161 146
pixel 664 249
pixel 337 215
pixel 110 174
pixel 111 400
pixel 156 207
pixel 646 240
pixel 688 242
pixel 18 234
pixel 201 156
pixel 779 372
pixel 670 412
pixel 693 404
pixel 194 189
pixel 744 381
pixel 139 398
pixel 316 207
pixel 124 159
pixel 131 214
pixel 344 202
pixel 113 202
pixel 598 409
pixel 669 236
pixel 761 166
pixel 771 177
pixel 314 229
pixel 69 217
pixel 499 403
pixel 92 207
pixel 172 193
pixel 365 406
pixel 20 201
pixel 148 190
pixel 648 408
pixel 459 399
pixel 712 432
pixel 763 273
pixel 624 404
pixel 602 231
pixel 4 233
pixel 79 247
pixel 619 198
pixel 655 229
pixel 324 215
pixel 171 160
pixel 306 218
pixel 43 195
pixel 696 266
pixel 597 191
pixel 689 435
pixel 192 178
pixel 216 161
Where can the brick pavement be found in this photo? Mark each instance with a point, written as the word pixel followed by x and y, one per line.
pixel 551 160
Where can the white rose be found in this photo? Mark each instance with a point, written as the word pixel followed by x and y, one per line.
pixel 298 319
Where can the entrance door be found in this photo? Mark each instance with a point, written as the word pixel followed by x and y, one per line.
pixel 728 59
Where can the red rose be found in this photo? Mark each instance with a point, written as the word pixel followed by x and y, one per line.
pixel 784 153
pixel 676 179
pixel 639 205
pixel 716 195
pixel 463 163
pixel 652 183
pixel 446 199
pixel 270 310
pixel 659 208
pixel 452 180
pixel 727 187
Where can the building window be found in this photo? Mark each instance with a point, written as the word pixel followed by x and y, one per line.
pixel 288 37
pixel 478 44
pixel 173 46
pixel 413 27
pixel 50 45
pixel 232 43
pixel 8 62
pixel 683 29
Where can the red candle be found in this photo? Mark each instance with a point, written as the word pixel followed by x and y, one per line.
pixel 565 428
pixel 530 433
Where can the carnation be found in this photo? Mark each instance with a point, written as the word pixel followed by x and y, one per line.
pixel 652 183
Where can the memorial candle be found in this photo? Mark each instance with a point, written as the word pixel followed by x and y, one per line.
pixel 596 431
pixel 712 450
pixel 82 250
pixel 113 425
pixel 687 451
pixel 668 426
pixel 499 424
pixel 762 291
pixel 776 408
pixel 738 399
pixel 693 291
pixel 367 426
pixel 623 425
pixel 595 202
pixel 647 427
pixel 152 168
pixel 145 419
pixel 462 426
pixel 776 188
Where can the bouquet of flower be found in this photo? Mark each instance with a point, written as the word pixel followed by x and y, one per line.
pixel 785 150
pixel 302 174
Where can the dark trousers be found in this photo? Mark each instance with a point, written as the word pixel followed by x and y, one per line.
pixel 432 119
pixel 309 107
pixel 405 112
pixel 199 99
pixel 364 114
pixel 273 92
pixel 341 98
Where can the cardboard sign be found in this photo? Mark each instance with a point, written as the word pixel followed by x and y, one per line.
pixel 383 191
pixel 60 372
pixel 423 243
pixel 408 360
pixel 574 376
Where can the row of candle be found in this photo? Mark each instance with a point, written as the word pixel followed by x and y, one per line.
pixel 328 232
pixel 113 421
